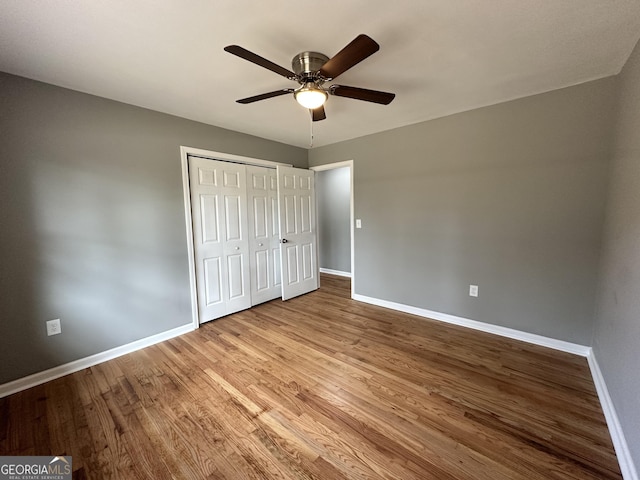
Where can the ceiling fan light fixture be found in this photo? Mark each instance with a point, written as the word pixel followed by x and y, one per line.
pixel 312 70
pixel 310 96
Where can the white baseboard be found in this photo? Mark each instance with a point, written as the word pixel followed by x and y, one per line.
pixel 623 454
pixel 335 272
pixel 561 345
pixel 71 367
pixel 625 460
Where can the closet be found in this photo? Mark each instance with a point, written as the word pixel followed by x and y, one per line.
pixel 254 235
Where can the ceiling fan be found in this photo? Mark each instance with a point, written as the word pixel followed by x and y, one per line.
pixel 312 70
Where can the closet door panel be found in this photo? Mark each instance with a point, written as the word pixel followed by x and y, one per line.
pixel 296 198
pixel 220 237
pixel 263 234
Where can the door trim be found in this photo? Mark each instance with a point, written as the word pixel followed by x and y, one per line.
pixel 186 190
pixel 331 166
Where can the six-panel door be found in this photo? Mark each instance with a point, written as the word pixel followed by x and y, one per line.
pixel 221 244
pixel 296 198
pixel 264 248
pixel 239 214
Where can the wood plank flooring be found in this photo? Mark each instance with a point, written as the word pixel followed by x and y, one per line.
pixel 321 387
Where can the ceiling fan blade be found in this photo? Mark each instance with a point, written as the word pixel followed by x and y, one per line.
pixel 264 96
pixel 374 96
pixel 318 114
pixel 359 49
pixel 258 60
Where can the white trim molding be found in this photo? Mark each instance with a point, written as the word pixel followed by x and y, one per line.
pixel 625 460
pixel 186 191
pixel 349 164
pixel 332 166
pixel 335 272
pixel 620 445
pixel 561 345
pixel 82 363
pixel 228 157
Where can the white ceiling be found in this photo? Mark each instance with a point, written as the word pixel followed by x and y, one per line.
pixel 439 56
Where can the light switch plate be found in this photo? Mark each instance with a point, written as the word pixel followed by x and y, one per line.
pixel 358 223
pixel 473 290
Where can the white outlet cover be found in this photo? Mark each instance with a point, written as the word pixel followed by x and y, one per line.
pixel 473 290
pixel 53 327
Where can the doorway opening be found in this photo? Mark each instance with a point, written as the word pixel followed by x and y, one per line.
pixel 335 206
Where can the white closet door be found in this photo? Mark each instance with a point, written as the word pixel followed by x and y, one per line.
pixel 264 248
pixel 221 245
pixel 298 247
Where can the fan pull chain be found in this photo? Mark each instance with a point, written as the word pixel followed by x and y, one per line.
pixel 311 129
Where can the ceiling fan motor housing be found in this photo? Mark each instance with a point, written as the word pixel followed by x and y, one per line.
pixel 306 64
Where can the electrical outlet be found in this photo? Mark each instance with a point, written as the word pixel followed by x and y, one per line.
pixel 473 290
pixel 53 327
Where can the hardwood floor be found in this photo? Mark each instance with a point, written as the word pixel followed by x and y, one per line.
pixel 321 387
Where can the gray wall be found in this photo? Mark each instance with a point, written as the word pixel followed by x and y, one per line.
pixel 616 340
pixel 508 197
pixel 93 227
pixel 333 195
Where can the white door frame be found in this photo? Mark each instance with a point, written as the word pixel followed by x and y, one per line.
pixel 331 166
pixel 225 157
